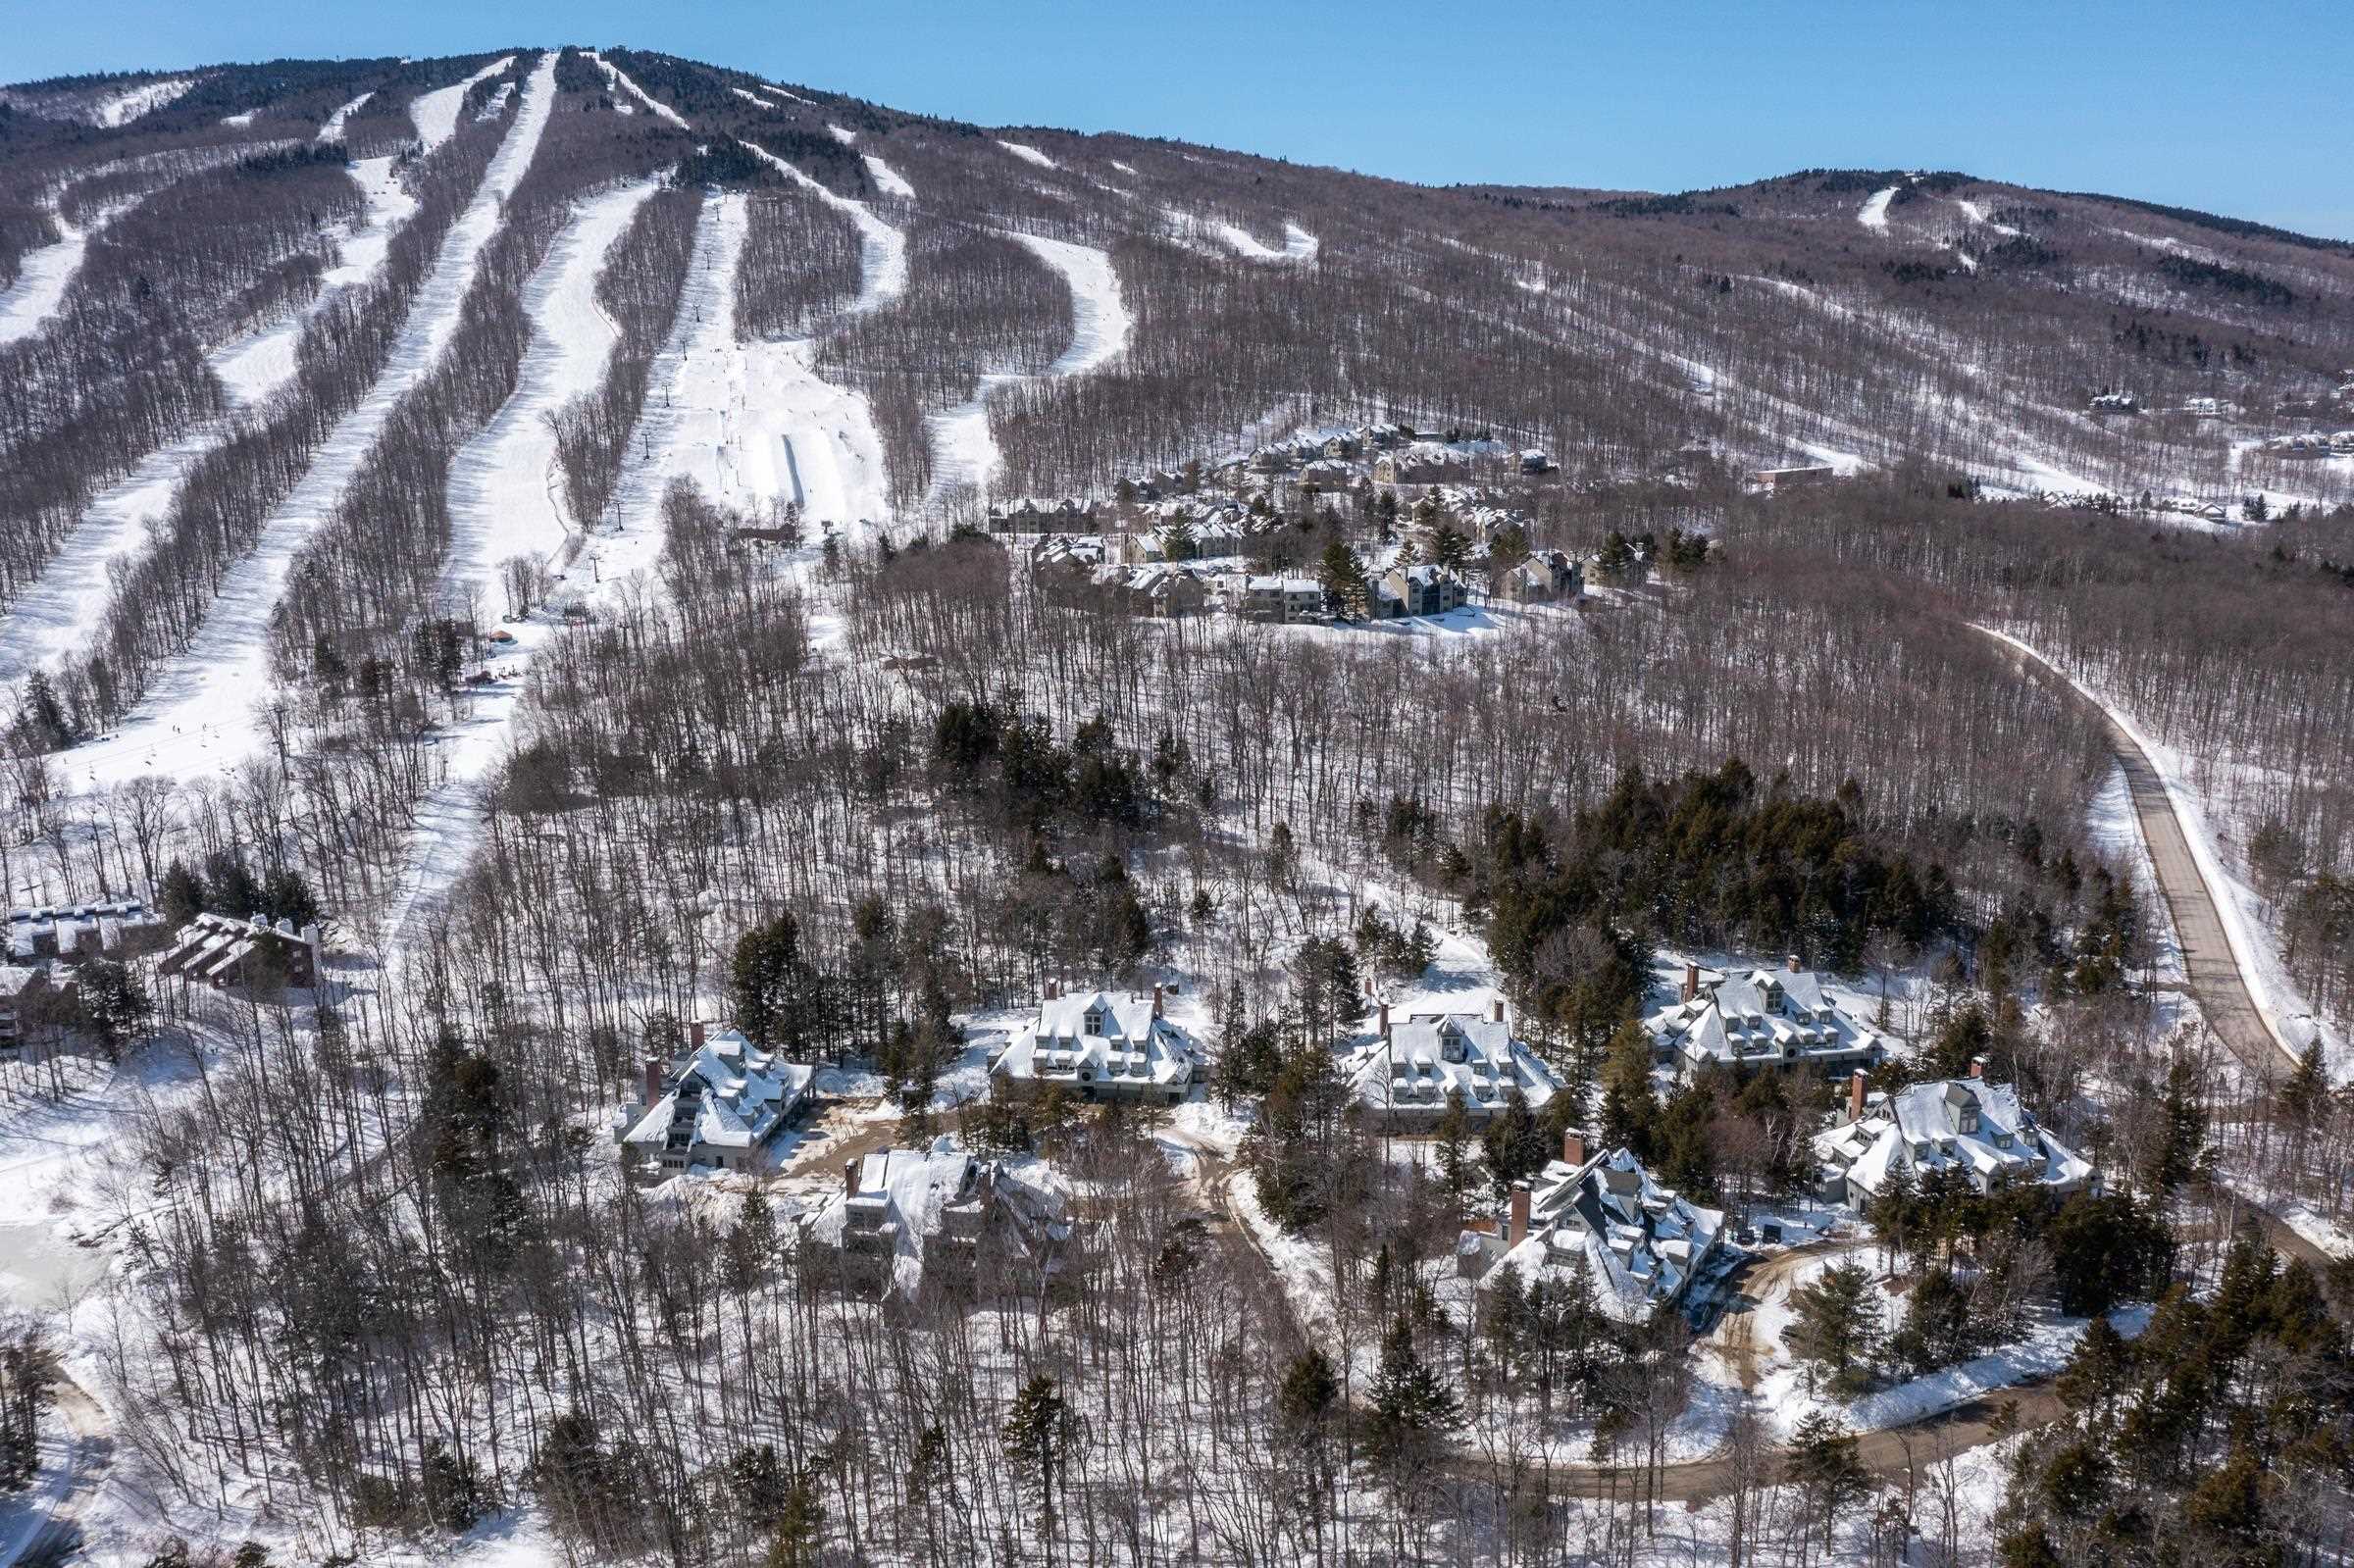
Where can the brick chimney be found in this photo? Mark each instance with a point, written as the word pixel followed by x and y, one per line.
pixel 655 1071
pixel 1156 1001
pixel 1053 989
pixel 1573 1149
pixel 1854 1095
pixel 1519 1222
pixel 850 1178
pixel 1496 1009
pixel 1792 963
pixel 1978 1067
pixel 695 1032
pixel 1691 980
pixel 1382 1014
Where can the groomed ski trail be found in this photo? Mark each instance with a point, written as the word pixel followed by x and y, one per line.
pixel 198 716
pixel 964 451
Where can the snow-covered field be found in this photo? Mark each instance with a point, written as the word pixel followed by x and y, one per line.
pixel 198 717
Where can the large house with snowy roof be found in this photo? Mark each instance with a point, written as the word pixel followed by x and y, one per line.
pixel 1103 1045
pixel 1964 1124
pixel 1403 1080
pixel 905 1218
pixel 720 1105
pixel 1642 1244
pixel 1422 590
pixel 1779 1019
pixel 222 950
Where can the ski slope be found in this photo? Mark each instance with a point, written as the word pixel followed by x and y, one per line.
pixel 621 79
pixel 435 114
pixel 888 179
pixel 123 108
pixel 1874 214
pixel 1028 154
pixel 198 717
pixel 449 820
pixel 1299 247
pixel 883 248
pixel 48 619
pixel 42 276
pixel 331 128
pixel 964 451
pixel 505 498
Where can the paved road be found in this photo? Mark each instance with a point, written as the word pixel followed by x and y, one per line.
pixel 2213 972
pixel 2216 981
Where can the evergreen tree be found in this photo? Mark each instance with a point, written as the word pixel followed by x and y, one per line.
pixel 1630 1109
pixel 1343 581
pixel 1836 1325
pixel 1412 1410
pixel 1041 1439
pixel 179 895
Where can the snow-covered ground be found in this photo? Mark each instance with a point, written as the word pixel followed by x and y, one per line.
pixel 49 619
pixel 1975 212
pixel 505 497
pixel 1028 154
pixel 1874 214
pixel 122 107
pixel 331 127
pixel 435 114
pixel 1299 246
pixel 964 451
pixel 198 717
pixel 621 79
pixel 41 278
pixel 888 179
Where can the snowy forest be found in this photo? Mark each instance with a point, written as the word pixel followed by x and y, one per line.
pixel 572 596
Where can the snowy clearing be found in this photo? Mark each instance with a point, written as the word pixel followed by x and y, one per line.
pixel 198 717
pixel 1028 154
pixel 1975 212
pixel 435 114
pixel 123 108
pixel 1299 246
pixel 848 138
pixel 1875 212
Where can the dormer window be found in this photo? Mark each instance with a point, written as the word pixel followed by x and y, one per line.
pixel 1094 1022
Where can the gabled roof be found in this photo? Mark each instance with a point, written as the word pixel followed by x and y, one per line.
pixel 1962 1124
pixel 1097 1037
pixel 1761 1015
pixel 1431 1056
pixel 740 1093
pixel 1642 1242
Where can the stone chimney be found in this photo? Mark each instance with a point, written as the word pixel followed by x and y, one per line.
pixel 1382 1014
pixel 655 1071
pixel 1496 1009
pixel 1518 1232
pixel 1978 1067
pixel 695 1033
pixel 1792 963
pixel 1156 1001
pixel 1854 1095
pixel 1573 1149
pixel 1691 980
pixel 850 1178
pixel 1053 989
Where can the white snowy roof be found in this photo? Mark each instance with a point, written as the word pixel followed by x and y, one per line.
pixel 1761 1015
pixel 1431 1056
pixel 1963 1123
pixel 1642 1242
pixel 737 1093
pixel 1098 1037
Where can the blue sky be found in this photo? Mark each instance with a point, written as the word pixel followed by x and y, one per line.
pixel 2243 109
